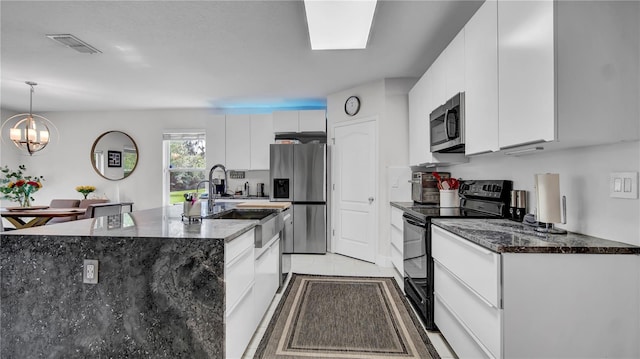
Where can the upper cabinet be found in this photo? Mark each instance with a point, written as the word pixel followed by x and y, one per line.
pixel 419 109
pixel 443 79
pixel 261 137
pixel 299 121
pixel 526 86
pixel 568 72
pixel 454 80
pixel 238 148
pixel 481 80
pixel 247 141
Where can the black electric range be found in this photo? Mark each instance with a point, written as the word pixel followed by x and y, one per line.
pixel 478 199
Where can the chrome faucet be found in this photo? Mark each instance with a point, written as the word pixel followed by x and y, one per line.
pixel 212 187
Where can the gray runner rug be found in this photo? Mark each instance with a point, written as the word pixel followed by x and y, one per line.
pixel 344 317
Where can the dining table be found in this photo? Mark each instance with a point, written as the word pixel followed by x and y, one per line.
pixel 28 217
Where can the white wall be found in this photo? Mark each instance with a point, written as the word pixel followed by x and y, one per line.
pixel 67 163
pixel 584 180
pixel 386 100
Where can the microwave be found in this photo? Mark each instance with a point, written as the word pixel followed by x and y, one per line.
pixel 447 126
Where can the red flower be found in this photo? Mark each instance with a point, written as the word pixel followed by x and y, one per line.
pixel 34 184
pixel 20 183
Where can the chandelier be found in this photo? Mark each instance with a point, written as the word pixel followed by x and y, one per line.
pixel 30 133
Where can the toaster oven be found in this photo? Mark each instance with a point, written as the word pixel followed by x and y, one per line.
pixel 424 187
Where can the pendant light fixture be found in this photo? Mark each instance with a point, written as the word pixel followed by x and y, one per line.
pixel 30 133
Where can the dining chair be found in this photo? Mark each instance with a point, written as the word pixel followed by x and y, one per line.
pixel 63 203
pixel 102 209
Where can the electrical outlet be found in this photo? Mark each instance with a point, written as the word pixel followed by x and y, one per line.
pixel 90 271
pixel 623 185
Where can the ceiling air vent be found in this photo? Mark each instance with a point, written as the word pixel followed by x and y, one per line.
pixel 74 43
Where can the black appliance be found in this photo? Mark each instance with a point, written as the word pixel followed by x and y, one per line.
pixel 478 199
pixel 447 126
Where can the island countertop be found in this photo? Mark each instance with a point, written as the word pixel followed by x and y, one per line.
pixel 163 222
pixel 505 236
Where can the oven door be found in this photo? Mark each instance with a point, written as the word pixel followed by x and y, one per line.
pixel 415 253
pixel 418 268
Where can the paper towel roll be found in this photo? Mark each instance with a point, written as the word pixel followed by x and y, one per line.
pixel 548 197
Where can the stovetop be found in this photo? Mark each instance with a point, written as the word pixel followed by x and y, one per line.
pixel 425 212
pixel 478 199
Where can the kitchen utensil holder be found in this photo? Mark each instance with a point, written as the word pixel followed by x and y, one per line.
pixel 449 198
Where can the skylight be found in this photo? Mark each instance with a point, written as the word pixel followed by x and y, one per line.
pixel 339 24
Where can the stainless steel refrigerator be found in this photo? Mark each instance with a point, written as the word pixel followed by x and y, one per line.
pixel 298 174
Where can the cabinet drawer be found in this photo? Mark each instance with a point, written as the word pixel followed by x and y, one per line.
pixel 396 217
pixel 463 343
pixel 238 276
pixel 481 318
pixel 396 258
pixel 236 246
pixel 396 238
pixel 477 267
pixel 239 326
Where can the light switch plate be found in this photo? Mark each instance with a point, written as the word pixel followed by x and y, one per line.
pixel 90 271
pixel 623 185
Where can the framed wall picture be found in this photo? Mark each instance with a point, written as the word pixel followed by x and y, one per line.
pixel 114 158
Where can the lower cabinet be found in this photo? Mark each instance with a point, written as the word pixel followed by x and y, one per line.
pixel 535 305
pixel 251 281
pixel 267 272
pixel 396 244
pixel 239 277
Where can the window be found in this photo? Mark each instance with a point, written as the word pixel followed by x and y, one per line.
pixel 184 164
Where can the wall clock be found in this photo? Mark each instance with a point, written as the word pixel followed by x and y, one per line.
pixel 352 105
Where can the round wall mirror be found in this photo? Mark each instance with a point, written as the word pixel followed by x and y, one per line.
pixel 114 155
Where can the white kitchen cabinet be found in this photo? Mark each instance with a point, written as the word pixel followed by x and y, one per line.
pixel 247 141
pixel 238 146
pixel 267 264
pixel 216 140
pixel 503 305
pixel 261 137
pixel 397 247
pixel 312 121
pixel 239 280
pixel 419 151
pixel 568 72
pixel 444 78
pixel 437 90
pixel 285 121
pixel 299 121
pixel 526 72
pixel 481 80
pixel 454 59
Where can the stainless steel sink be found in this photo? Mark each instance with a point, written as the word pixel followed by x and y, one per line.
pixel 269 224
pixel 243 214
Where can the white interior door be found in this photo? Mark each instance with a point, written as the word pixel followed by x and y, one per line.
pixel 355 180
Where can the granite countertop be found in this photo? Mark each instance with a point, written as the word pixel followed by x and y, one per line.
pixel 409 206
pixel 163 222
pixel 505 236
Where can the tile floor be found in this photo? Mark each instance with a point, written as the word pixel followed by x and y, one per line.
pixel 335 264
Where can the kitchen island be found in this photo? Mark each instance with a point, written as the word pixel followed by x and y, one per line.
pixel 162 286
pixel 505 291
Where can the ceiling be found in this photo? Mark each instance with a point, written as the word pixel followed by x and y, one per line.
pixel 204 54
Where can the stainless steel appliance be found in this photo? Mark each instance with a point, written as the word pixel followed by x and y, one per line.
pixel 447 125
pixel 298 175
pixel 479 199
pixel 424 187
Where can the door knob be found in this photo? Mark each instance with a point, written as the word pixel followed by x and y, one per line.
pixel 370 200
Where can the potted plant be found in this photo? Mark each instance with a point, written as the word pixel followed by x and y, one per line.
pixel 17 187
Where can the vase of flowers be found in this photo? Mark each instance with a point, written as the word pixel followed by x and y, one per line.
pixel 85 190
pixel 17 187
